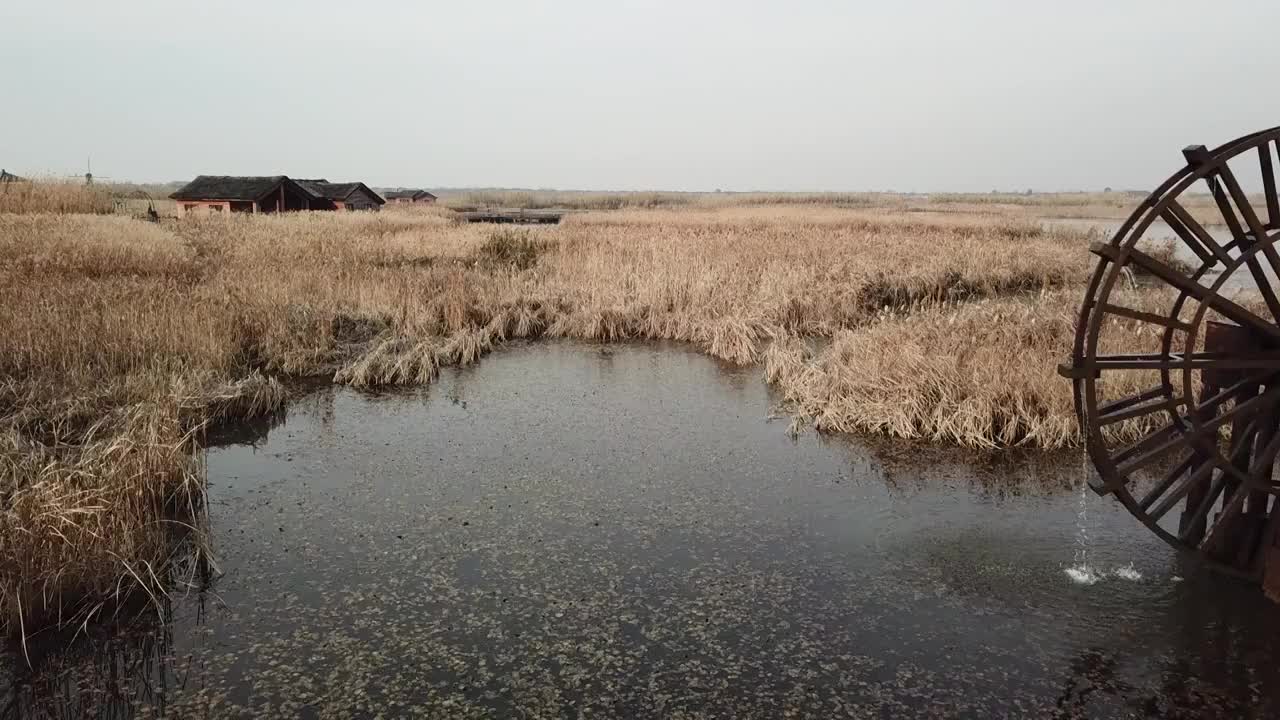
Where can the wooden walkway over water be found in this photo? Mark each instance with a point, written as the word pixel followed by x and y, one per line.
pixel 521 216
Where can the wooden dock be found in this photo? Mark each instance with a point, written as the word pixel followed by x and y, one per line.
pixel 515 215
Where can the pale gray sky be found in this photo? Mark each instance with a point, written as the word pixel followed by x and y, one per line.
pixel 615 94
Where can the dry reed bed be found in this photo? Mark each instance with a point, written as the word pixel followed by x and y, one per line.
pixel 1029 207
pixel 58 197
pixel 119 339
pixel 979 374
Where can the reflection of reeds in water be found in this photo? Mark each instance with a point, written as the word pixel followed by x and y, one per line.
pixel 111 669
pixel 117 651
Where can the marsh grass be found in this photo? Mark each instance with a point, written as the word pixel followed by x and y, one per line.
pixel 514 248
pixel 54 197
pixel 979 375
pixel 121 340
pixel 1028 207
pixel 537 200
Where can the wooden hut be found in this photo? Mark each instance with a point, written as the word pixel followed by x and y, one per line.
pixel 408 197
pixel 345 196
pixel 265 194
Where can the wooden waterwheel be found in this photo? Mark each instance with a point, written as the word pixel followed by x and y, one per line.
pixel 1176 362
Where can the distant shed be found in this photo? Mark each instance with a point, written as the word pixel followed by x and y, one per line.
pixel 345 196
pixel 248 194
pixel 408 197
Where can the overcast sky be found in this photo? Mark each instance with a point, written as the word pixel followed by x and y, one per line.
pixel 614 94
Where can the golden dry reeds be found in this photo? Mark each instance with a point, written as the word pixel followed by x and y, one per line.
pixel 54 197
pixel 980 375
pixel 86 521
pixel 540 199
pixel 120 339
pixel 1028 206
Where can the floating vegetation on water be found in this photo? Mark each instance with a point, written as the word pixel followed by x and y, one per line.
pixel 390 552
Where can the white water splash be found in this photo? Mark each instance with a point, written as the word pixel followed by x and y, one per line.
pixel 1083 575
pixel 1080 572
pixel 1128 572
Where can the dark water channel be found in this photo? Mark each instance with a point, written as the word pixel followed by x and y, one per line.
pixel 566 531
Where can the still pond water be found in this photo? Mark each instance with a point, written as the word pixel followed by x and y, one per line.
pixel 565 530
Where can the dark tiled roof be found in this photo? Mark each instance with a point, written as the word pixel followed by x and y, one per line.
pixel 320 188
pixel 337 191
pixel 228 187
pixel 410 194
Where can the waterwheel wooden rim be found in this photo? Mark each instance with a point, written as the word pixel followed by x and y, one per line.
pixel 1202 437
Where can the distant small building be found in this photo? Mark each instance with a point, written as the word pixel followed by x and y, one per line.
pixel 8 177
pixel 248 194
pixel 408 197
pixel 345 196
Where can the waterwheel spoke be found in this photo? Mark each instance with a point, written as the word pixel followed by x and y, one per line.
pixel 1207 408
pixel 1192 524
pixel 1231 199
pixel 1194 361
pixel 1227 527
pixel 1220 183
pixel 1253 228
pixel 1222 395
pixel 1206 296
pixel 1203 437
pixel 1250 409
pixel 1268 445
pixel 1153 393
pixel 1191 464
pixel 1178 440
pixel 1194 235
pixel 1269 184
pixel 1152 440
pixel 1258 503
pixel 1136 411
pixel 1260 470
pixel 1251 234
pixel 1147 317
pixel 1202 472
pixel 1221 531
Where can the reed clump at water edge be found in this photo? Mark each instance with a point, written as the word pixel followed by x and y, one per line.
pixel 120 340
